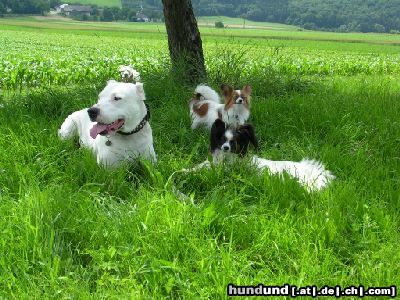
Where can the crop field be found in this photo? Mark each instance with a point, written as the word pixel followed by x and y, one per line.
pixel 20 66
pixel 239 22
pixel 71 229
pixel 101 3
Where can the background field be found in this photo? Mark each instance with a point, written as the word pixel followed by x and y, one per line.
pixel 71 229
pixel 239 22
pixel 101 3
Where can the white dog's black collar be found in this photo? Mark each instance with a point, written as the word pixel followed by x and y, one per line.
pixel 141 124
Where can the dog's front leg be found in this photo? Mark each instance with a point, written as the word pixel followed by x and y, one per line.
pixel 68 129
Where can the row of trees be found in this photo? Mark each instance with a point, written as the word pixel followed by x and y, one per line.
pixel 337 15
pixel 97 14
pixel 108 14
pixel 26 6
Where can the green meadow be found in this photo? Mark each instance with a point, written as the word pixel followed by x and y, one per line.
pixel 73 230
pixel 101 3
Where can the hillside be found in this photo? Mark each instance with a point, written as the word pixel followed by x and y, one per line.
pixel 337 15
pixel 110 3
pixel 329 15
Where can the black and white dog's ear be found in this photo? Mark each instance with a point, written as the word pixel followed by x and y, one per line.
pixel 217 132
pixel 249 131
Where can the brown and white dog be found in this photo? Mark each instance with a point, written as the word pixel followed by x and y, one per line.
pixel 205 106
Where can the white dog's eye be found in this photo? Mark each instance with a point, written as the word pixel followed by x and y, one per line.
pixel 117 98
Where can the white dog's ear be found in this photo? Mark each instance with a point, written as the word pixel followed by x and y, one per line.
pixel 140 91
pixel 111 81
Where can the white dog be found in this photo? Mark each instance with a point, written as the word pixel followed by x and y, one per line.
pixel 129 74
pixel 116 128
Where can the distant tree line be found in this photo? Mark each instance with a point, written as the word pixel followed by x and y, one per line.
pixel 26 6
pixel 97 14
pixel 109 14
pixel 333 15
pixel 337 15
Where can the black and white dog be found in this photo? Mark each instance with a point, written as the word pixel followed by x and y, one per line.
pixel 228 144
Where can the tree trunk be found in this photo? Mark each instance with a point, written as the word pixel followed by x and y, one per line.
pixel 184 41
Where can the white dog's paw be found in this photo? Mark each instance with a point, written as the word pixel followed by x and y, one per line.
pixel 67 130
pixel 204 165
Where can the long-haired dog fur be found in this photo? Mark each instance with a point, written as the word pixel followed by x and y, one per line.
pixel 205 106
pixel 226 140
pixel 228 144
pixel 129 74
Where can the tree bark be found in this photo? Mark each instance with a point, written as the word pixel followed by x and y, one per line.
pixel 184 41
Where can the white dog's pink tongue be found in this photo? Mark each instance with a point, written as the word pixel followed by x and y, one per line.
pixel 97 129
pixel 103 128
pixel 116 125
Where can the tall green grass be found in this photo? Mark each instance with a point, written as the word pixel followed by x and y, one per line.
pixel 70 229
pixel 101 3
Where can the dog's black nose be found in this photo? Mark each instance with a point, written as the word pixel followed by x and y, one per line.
pixel 225 148
pixel 240 101
pixel 93 113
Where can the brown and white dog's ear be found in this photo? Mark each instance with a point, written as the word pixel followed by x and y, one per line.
pixel 140 91
pixel 247 90
pixel 227 90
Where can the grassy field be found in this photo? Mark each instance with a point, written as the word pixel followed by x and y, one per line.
pixel 101 3
pixel 70 229
pixel 239 22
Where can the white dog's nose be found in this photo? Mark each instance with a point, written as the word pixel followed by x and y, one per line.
pixel 93 112
pixel 225 148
